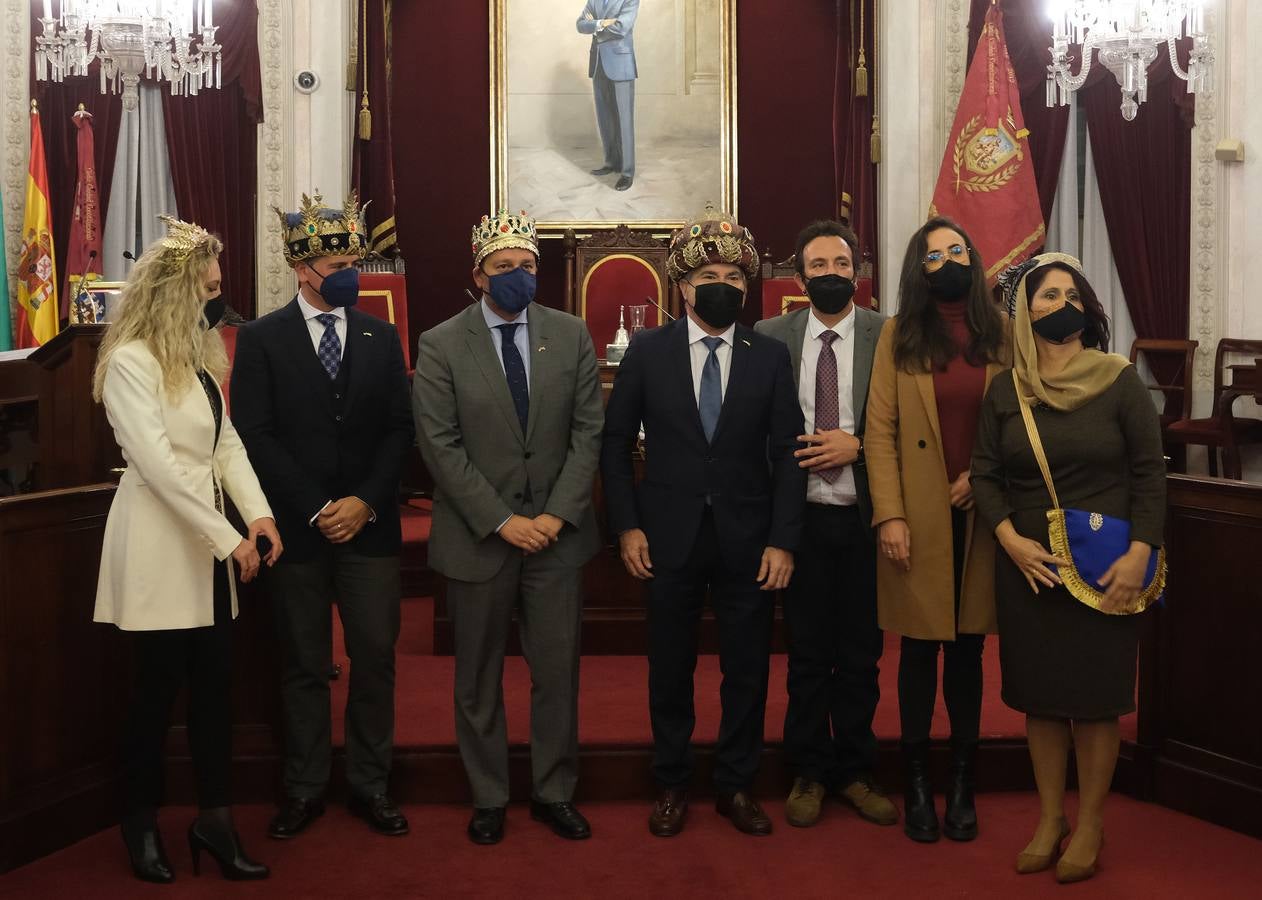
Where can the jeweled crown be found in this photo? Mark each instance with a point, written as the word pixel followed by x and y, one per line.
pixel 503 231
pixel 182 238
pixel 315 230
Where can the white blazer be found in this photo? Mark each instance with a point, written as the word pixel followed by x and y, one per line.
pixel 163 534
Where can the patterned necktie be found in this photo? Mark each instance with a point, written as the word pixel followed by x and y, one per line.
pixel 515 372
pixel 330 350
pixel 827 403
pixel 710 402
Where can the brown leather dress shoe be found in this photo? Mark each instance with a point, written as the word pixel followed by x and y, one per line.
pixel 744 812
pixel 667 818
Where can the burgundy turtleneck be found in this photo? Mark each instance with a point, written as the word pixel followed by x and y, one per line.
pixel 959 389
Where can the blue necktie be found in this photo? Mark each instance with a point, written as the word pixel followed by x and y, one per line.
pixel 330 350
pixel 710 402
pixel 515 372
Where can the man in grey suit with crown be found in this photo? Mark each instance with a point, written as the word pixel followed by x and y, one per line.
pixel 611 67
pixel 508 417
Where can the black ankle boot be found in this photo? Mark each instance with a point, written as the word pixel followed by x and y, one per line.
pixel 144 847
pixel 920 819
pixel 961 815
pixel 225 846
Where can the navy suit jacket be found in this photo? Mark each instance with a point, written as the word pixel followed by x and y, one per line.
pixel 614 47
pixel 749 473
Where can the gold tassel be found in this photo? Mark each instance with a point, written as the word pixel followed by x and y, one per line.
pixel 365 119
pixel 876 140
pixel 861 76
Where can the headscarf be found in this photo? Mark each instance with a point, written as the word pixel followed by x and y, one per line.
pixel 1088 373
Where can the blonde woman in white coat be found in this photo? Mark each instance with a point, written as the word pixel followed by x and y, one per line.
pixel 165 570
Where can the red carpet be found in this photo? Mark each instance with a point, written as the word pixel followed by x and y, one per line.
pixel 614 695
pixel 1151 853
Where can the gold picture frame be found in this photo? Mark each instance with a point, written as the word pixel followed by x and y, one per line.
pixel 691 16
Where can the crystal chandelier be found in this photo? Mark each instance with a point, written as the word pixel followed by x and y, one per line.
pixel 172 40
pixel 1127 36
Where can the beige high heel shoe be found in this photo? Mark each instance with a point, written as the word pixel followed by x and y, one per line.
pixel 1068 873
pixel 1029 863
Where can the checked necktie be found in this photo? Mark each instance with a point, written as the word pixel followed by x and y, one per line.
pixel 827 403
pixel 330 350
pixel 515 372
pixel 710 402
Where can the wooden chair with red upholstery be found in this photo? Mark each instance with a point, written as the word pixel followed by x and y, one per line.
pixel 1177 392
pixel 385 295
pixel 781 294
pixel 610 270
pixel 1222 429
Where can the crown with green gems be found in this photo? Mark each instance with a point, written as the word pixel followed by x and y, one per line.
pixel 502 232
pixel 315 230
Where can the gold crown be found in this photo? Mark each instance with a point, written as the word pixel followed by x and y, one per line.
pixel 182 238
pixel 316 231
pixel 502 232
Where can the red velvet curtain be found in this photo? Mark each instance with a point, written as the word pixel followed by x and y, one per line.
pixel 855 172
pixel 212 142
pixel 372 157
pixel 1028 31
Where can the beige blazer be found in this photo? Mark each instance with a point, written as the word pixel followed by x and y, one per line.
pixel 907 478
pixel 163 533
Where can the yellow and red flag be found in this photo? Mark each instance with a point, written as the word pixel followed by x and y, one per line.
pixel 987 181
pixel 37 268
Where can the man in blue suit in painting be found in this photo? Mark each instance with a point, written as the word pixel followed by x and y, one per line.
pixel 612 70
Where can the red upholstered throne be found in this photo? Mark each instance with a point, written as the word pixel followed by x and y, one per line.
pixel 612 269
pixel 385 295
pixel 781 294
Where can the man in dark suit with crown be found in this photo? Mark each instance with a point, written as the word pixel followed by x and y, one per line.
pixel 320 397
pixel 508 417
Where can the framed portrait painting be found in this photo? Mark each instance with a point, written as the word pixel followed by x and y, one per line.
pixel 613 111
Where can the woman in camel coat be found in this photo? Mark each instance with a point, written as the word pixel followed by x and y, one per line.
pixel 935 570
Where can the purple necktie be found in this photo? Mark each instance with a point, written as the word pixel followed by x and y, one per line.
pixel 827 403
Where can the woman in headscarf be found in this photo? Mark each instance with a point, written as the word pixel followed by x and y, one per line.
pixel 1068 666
pixel 166 563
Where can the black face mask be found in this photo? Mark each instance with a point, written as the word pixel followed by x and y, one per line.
pixel 830 294
pixel 213 311
pixel 951 282
pixel 1061 326
pixel 718 304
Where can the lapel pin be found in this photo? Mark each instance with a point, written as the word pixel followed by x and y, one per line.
pixel 542 348
pixel 746 343
pixel 367 334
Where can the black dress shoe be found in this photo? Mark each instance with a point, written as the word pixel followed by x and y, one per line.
pixel 225 846
pixel 603 170
pixel 381 815
pixel 144 848
pixel 623 183
pixel 562 818
pixel 295 814
pixel 487 825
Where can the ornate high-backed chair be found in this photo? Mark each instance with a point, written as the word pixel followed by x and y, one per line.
pixel 612 269
pixel 781 294
pixel 385 295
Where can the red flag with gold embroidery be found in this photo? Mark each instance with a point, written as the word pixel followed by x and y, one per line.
pixel 83 252
pixel 987 180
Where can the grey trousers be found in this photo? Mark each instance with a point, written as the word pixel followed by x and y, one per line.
pixel 366 590
pixel 550 613
pixel 615 117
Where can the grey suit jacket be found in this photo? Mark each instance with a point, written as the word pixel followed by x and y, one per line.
pixel 791 329
pixel 472 442
pixel 613 47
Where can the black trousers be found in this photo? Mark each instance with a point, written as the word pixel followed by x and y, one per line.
pixel 744 614
pixel 834 647
pixel 366 590
pixel 164 661
pixel 961 668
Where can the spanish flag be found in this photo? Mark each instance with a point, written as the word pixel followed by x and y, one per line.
pixel 987 181
pixel 37 269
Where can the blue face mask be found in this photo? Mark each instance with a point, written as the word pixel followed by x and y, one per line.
pixel 512 291
pixel 340 288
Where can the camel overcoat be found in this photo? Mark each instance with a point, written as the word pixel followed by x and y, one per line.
pixel 908 480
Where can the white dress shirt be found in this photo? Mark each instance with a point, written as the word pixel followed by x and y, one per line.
pixel 316 330
pixel 521 336
pixel 699 352
pixel 842 491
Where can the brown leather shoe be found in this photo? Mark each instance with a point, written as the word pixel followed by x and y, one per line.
pixel 802 808
pixel 869 801
pixel 667 818
pixel 744 812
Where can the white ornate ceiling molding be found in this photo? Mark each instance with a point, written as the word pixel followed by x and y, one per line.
pixel 275 283
pixel 953 25
pixel 1211 205
pixel 16 126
